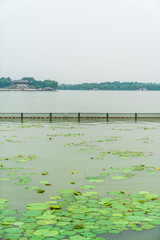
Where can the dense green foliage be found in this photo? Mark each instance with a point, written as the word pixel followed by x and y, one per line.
pixel 110 86
pixel 41 84
pixel 116 85
pixel 4 82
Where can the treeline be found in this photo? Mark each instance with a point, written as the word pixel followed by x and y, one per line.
pixel 116 85
pixel 5 82
pixel 111 86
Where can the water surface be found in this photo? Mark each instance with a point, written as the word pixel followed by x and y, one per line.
pixel 61 148
pixel 80 101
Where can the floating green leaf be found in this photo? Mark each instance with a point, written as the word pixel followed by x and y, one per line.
pixel 46 233
pixel 87 187
pixel 96 180
pixel 32 188
pixel 118 177
pixel 37 206
pixel 45 173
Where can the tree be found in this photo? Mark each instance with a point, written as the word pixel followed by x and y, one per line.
pixel 50 83
pixel 5 82
pixel 30 80
pixel 41 84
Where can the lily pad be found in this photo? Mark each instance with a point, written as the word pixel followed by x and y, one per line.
pixel 45 232
pixel 87 187
pixel 2 201
pixel 96 180
pixel 37 206
pixel 45 173
pixel 13 230
pixel 119 177
pixel 32 188
pixel 9 212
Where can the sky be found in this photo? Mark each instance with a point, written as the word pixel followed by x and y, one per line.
pixel 77 41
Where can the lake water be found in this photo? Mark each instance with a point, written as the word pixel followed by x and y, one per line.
pixel 71 152
pixel 80 101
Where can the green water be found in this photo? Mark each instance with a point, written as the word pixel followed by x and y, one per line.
pixel 70 152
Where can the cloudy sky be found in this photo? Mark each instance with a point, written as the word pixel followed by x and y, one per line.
pixel 75 41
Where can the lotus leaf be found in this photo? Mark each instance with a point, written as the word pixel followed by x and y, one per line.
pixel 12 219
pixel 151 196
pixel 45 232
pixel 45 173
pixel 143 192
pixel 37 206
pixel 40 191
pixel 32 188
pixel 29 226
pixel 36 238
pixel 148 226
pixel 4 179
pixel 88 234
pixel 13 236
pixel 44 182
pixel 18 223
pixel 3 206
pixel 98 231
pixel 50 202
pixel 96 180
pixel 32 213
pixel 68 233
pixel 56 207
pixel 13 230
pixel 45 216
pixel 66 191
pixel 9 212
pixel 87 187
pixel 100 238
pixel 55 197
pixel 78 237
pixel 119 177
pixel 46 222
pixel 78 226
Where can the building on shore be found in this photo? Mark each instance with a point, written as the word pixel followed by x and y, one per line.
pixel 20 85
pixel 24 85
pixel 142 89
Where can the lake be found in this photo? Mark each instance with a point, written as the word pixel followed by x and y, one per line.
pixel 97 180
pixel 103 173
pixel 80 101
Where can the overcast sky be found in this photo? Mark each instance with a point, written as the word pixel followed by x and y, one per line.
pixel 75 41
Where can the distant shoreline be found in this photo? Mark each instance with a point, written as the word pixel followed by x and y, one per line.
pixel 30 84
pixel 92 90
pixel 26 90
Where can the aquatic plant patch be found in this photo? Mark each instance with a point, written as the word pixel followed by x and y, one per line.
pixel 147 128
pixel 129 154
pixel 24 178
pixel 30 126
pixel 88 143
pixel 122 129
pixel 122 173
pixel 82 215
pixel 20 158
pixel 145 140
pixel 68 135
pixel 81 212
pixel 11 140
